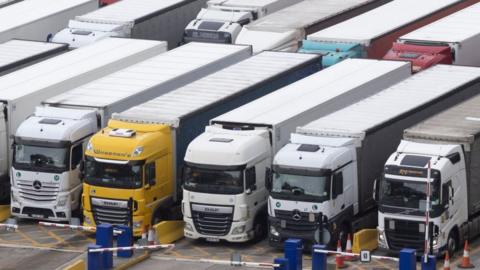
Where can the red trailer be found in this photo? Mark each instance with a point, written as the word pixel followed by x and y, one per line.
pixel 371 34
pixel 452 40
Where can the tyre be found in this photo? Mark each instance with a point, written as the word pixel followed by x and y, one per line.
pixel 452 243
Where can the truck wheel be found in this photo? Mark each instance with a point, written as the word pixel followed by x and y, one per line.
pixel 343 234
pixel 452 243
pixel 259 228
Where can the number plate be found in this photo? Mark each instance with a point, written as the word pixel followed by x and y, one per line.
pixel 37 216
pixel 211 239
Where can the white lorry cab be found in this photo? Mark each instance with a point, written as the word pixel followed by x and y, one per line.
pixel 323 179
pixel 222 20
pixel 447 145
pixel 144 19
pixel 225 197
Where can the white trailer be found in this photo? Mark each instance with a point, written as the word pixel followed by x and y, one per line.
pixel 4 3
pixel 22 90
pixel 284 29
pixel 449 141
pixel 146 19
pixel 40 19
pixel 241 144
pixel 331 163
pixel 17 53
pixel 65 124
pixel 222 20
pixel 452 40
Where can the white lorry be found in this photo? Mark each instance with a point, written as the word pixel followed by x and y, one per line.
pixel 146 19
pixel 449 143
pixel 40 19
pixel 22 90
pixel 224 184
pixel 49 145
pixel 451 40
pixel 286 28
pixel 17 53
pixel 323 181
pixel 222 20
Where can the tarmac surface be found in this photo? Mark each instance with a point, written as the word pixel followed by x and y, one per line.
pixel 36 247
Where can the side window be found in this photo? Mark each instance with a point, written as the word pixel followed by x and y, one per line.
pixel 337 185
pixel 446 192
pixel 250 178
pixel 150 175
pixel 77 155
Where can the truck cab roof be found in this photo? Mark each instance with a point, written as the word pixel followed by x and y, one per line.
pixel 45 124
pixel 318 152
pixel 222 16
pixel 408 154
pixel 129 141
pixel 222 146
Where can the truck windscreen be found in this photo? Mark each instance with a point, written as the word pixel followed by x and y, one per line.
pixel 207 36
pixel 28 157
pixel 113 175
pixel 408 193
pixel 305 187
pixel 213 180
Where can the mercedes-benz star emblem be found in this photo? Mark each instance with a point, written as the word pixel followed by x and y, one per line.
pixel 296 215
pixel 37 185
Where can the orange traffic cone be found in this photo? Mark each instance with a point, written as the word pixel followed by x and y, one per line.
pixel 446 263
pixel 466 257
pixel 339 260
pixel 348 249
pixel 151 236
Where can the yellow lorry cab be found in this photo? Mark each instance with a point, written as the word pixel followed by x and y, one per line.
pixel 128 175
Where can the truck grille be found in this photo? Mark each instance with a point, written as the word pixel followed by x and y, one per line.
pixel 37 212
pixel 217 224
pixel 37 191
pixel 405 234
pixel 110 215
pixel 302 224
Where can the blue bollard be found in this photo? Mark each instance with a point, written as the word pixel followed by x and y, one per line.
pixel 94 259
pixel 319 260
pixel 431 263
pixel 408 259
pixel 293 252
pixel 125 240
pixel 283 262
pixel 104 237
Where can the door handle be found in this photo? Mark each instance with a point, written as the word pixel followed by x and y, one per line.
pixel 343 206
pixel 255 203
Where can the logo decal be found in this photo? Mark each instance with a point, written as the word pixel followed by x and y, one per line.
pixel 37 185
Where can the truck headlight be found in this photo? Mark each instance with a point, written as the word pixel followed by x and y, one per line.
pixel 382 242
pixel 89 146
pixel 137 224
pixel 239 229
pixel 87 220
pixel 62 200
pixel 14 198
pixel 138 151
pixel 274 231
pixel 188 227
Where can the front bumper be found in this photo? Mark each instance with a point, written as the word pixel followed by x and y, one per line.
pixel 138 221
pixel 45 212
pixel 191 232
pixel 277 235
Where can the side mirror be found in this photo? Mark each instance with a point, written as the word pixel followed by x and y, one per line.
pixel 248 191
pixel 375 190
pixel 81 166
pixel 268 179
